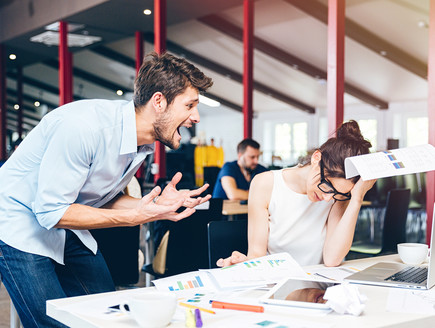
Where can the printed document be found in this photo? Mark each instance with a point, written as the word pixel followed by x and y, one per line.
pixel 252 273
pixel 391 162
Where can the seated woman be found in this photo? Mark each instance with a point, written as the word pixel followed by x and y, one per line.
pixel 309 210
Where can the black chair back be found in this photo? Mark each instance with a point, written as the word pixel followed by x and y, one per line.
pixel 210 176
pixel 396 213
pixel 224 237
pixel 187 243
pixel 120 247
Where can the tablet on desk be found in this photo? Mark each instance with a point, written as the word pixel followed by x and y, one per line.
pixel 298 292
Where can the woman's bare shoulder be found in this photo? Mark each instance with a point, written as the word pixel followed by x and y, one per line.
pixel 264 178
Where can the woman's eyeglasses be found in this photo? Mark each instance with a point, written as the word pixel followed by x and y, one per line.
pixel 327 187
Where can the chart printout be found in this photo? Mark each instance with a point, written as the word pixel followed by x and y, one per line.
pixel 391 162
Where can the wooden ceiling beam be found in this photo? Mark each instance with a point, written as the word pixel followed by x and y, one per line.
pixel 39 85
pixel 94 79
pixel 269 49
pixel 366 38
pixel 235 76
pixel 224 102
pixel 209 64
pixel 13 93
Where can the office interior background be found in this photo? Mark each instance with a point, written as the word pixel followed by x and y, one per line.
pixel 386 52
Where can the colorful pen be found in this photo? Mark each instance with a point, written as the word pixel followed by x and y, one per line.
pixel 198 319
pixel 234 306
pixel 190 319
pixel 190 306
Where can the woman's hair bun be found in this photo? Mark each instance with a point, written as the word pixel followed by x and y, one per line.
pixel 350 130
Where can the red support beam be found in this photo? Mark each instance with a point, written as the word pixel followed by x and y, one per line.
pixel 160 47
pixel 336 20
pixel 160 26
pixel 3 108
pixel 248 61
pixel 139 50
pixel 20 101
pixel 65 66
pixel 139 60
pixel 430 176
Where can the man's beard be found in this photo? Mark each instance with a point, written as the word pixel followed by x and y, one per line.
pixel 160 126
pixel 249 169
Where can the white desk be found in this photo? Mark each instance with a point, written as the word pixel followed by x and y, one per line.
pixel 374 314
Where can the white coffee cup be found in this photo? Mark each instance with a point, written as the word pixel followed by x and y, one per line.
pixel 151 309
pixel 412 253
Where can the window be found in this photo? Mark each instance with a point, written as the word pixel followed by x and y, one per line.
pixel 291 141
pixel 369 129
pixel 417 131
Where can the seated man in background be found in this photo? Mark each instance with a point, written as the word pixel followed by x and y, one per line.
pixel 235 177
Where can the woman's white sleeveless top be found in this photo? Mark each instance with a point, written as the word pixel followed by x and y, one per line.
pixel 296 225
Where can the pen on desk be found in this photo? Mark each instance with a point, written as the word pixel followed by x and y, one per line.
pixel 320 275
pixel 190 306
pixel 198 319
pixel 190 319
pixel 235 306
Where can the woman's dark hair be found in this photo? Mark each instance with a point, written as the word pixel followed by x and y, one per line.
pixel 348 142
pixel 169 75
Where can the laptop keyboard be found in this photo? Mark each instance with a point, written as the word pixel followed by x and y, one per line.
pixel 410 274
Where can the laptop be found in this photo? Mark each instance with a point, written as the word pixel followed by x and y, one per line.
pixel 398 274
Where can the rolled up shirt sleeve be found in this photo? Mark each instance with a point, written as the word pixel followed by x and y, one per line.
pixel 64 169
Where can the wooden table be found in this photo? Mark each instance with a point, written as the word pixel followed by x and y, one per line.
pixel 233 207
pixel 374 315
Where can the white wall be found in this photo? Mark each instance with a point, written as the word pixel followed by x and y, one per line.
pixel 226 125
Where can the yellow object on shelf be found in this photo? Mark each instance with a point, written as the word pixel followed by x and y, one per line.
pixel 206 156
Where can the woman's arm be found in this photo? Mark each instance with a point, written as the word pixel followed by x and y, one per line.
pixel 341 223
pixel 258 220
pixel 258 214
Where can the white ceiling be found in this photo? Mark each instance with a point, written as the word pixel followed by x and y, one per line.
pixel 289 29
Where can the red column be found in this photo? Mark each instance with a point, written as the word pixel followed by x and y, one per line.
pixel 139 50
pixel 139 60
pixel 336 19
pixel 430 176
pixel 248 60
pixel 3 107
pixel 65 66
pixel 20 101
pixel 160 47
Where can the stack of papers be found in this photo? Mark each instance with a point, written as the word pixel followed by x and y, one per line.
pixel 257 272
pixel 253 273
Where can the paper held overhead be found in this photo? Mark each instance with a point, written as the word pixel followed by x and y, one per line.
pixel 391 162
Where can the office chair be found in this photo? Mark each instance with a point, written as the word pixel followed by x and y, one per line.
pixel 224 237
pixel 210 176
pixel 184 245
pixel 394 227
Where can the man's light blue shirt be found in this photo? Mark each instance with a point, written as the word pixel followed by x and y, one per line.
pixel 84 152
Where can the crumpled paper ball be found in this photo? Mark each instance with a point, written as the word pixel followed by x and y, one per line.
pixel 345 298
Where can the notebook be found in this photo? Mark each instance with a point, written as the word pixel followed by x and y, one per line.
pixel 398 274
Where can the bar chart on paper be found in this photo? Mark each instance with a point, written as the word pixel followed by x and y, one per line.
pixel 186 284
pixel 252 264
pixel 257 272
pixel 189 281
pixel 275 263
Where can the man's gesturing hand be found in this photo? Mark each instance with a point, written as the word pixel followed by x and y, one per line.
pixel 148 211
pixel 171 195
